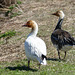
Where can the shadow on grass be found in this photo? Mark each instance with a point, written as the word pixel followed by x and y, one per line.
pixel 21 68
pixel 55 59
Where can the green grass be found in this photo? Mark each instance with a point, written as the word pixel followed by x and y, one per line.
pixel 41 13
pixel 19 2
pixel 15 14
pixel 54 67
pixel 11 7
pixel 8 34
pixel 11 10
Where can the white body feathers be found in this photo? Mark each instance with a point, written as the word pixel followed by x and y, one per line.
pixel 35 47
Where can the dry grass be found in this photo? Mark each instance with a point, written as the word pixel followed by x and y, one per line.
pixel 40 11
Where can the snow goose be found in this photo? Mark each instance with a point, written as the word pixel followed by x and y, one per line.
pixel 61 39
pixel 35 48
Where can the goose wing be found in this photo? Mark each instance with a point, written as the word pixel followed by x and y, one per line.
pixel 61 38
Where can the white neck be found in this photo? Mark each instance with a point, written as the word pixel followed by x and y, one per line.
pixel 34 30
pixel 62 15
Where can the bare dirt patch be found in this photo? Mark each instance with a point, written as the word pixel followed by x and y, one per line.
pixel 40 11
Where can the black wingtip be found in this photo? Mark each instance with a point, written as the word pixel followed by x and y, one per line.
pixel 43 56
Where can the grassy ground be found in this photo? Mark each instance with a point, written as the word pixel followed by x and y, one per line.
pixel 12 54
pixel 53 67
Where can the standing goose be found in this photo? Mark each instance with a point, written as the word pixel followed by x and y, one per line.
pixel 61 39
pixel 35 47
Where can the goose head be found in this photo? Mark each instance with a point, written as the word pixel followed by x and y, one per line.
pixel 32 24
pixel 59 14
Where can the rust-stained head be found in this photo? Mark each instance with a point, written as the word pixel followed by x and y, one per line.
pixel 30 24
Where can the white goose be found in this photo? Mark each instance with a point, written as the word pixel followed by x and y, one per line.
pixel 35 47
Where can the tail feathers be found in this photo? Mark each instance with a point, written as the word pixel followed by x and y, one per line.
pixel 44 60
